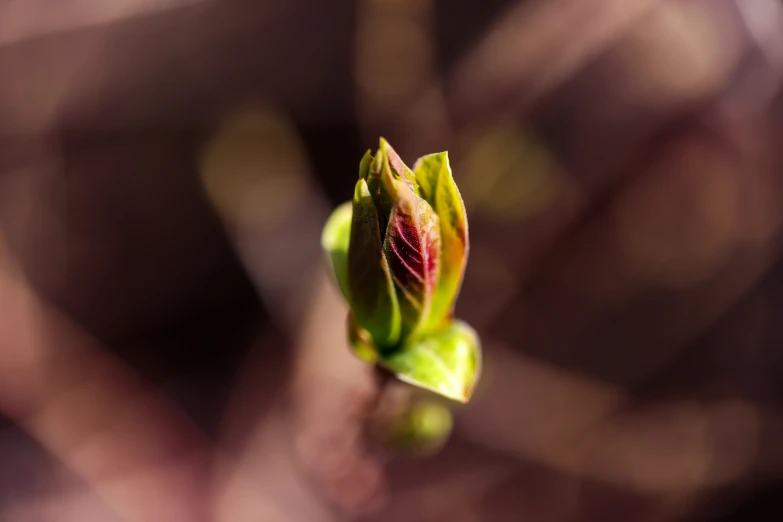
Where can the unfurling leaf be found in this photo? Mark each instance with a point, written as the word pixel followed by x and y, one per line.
pixel 437 187
pixel 412 247
pixel 398 168
pixel 447 363
pixel 372 296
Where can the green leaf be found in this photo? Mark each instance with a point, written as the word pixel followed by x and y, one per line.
pixel 437 187
pixel 447 363
pixel 398 167
pixel 364 164
pixel 373 298
pixel 335 238
pixel 383 172
pixel 412 248
pixel 383 187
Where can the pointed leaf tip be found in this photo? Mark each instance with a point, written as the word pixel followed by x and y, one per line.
pixel 364 164
pixel 398 167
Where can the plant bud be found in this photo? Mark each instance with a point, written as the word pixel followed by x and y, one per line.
pixel 398 253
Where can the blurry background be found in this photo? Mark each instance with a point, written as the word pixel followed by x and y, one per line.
pixel 170 347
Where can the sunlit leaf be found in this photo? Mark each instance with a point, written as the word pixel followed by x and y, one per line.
pixel 335 238
pixel 370 287
pixel 448 363
pixel 437 187
pixel 382 186
pixel 398 167
pixel 412 247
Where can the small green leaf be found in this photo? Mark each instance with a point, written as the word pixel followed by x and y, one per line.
pixel 447 363
pixel 335 238
pixel 437 187
pixel 373 298
pixel 364 164
pixel 385 188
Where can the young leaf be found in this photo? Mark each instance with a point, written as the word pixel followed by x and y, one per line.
pixel 335 238
pixel 412 247
pixel 373 299
pixel 398 167
pixel 364 164
pixel 386 193
pixel 437 187
pixel 447 363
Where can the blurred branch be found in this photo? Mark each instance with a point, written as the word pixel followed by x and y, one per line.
pixel 536 47
pixel 95 415
pixel 22 20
